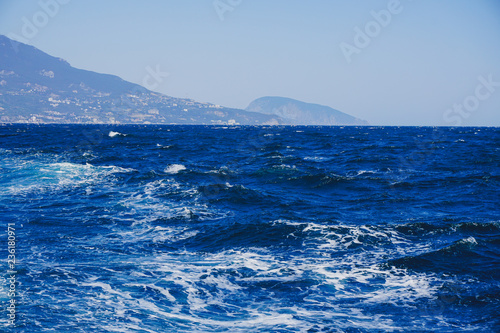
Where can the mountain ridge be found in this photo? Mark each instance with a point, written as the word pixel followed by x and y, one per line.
pixel 36 87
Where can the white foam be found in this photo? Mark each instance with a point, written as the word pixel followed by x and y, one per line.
pixel 108 289
pixel 152 202
pixel 471 241
pixel 127 328
pixel 316 158
pixel 113 134
pixel 285 167
pixel 174 168
pixel 189 285
pixel 360 172
pixel 30 176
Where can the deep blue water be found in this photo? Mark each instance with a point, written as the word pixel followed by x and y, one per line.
pixel 251 229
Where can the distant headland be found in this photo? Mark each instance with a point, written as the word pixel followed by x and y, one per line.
pixel 38 88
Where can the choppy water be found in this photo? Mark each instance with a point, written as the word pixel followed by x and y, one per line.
pixel 251 229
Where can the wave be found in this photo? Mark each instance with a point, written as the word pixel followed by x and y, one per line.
pixel 174 168
pixel 419 229
pixel 467 256
pixel 317 158
pixel 112 134
pixel 31 176
pixel 320 180
pixel 241 290
pixel 226 192
pixel 252 235
pixel 159 146
pixel 164 201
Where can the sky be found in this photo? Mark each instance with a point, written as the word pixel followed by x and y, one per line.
pixel 390 62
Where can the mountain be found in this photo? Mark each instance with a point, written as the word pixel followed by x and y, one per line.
pixel 38 88
pixel 300 113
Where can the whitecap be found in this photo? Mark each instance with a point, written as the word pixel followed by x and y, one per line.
pixel 470 241
pixel 113 134
pixel 174 168
pixel 316 158
pixel 35 176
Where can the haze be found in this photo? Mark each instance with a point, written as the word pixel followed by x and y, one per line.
pixel 389 62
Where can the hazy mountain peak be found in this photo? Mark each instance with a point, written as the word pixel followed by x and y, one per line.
pixel 301 113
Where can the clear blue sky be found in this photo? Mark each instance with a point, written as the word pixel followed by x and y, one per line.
pixel 415 67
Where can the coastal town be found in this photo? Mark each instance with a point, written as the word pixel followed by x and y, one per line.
pixel 81 104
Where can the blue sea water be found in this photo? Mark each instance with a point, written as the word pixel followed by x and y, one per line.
pixel 250 229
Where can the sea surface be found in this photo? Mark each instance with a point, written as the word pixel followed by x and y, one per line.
pixel 249 229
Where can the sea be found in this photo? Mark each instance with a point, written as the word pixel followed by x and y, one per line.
pixel 155 228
